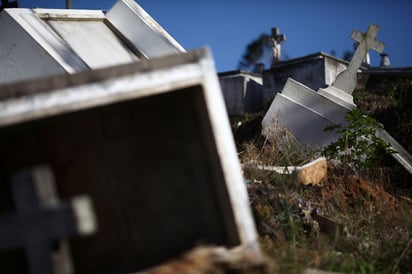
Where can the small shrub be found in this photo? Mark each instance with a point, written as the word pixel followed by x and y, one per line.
pixel 358 146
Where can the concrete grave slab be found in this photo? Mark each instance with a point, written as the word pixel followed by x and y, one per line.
pixel 310 173
pixel 44 42
pixel 306 113
pixel 151 145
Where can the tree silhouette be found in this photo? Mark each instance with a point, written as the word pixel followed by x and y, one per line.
pixel 256 52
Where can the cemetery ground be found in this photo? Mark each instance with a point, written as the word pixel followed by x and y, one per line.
pixel 355 221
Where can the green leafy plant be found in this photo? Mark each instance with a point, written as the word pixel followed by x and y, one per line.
pixel 358 146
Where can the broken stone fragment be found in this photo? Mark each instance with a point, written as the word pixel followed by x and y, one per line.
pixel 311 173
pixel 318 271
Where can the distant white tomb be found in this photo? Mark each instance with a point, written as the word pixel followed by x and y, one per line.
pixel 242 92
pixel 44 42
pixel 306 113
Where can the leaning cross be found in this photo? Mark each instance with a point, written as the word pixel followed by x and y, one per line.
pixel 346 81
pixel 40 219
pixel 275 40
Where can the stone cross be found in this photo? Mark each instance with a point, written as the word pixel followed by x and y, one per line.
pixel 40 219
pixel 275 41
pixel 346 81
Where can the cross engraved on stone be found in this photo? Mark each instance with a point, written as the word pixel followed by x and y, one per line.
pixel 346 80
pixel 275 41
pixel 40 219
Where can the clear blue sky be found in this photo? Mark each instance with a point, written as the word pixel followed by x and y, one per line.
pixel 227 26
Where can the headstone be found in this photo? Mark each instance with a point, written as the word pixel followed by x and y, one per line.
pixel 306 113
pixel 346 81
pixel 40 220
pixel 44 42
pixel 275 41
pixel 149 142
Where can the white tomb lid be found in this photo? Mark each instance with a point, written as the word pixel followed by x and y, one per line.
pixel 43 42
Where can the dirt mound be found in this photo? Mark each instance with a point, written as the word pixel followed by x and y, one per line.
pixel 350 192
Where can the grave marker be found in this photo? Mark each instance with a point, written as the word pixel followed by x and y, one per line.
pixel 150 143
pixel 346 81
pixel 306 113
pixel 40 219
pixel 43 42
pixel 275 41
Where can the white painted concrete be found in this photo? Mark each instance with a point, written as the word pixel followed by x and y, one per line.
pixel 38 100
pixel 304 113
pixel 135 23
pixel 45 42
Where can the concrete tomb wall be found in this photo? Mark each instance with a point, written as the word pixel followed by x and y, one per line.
pixel 160 169
pixel 242 93
pixel 316 71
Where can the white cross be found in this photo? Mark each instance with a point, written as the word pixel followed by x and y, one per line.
pixel 346 81
pixel 275 40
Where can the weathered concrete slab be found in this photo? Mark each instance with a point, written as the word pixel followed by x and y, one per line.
pixel 44 42
pixel 318 271
pixel 134 22
pixel 311 173
pixel 304 113
pixel 149 142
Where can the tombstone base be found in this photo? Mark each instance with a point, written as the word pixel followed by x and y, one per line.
pixel 149 142
pixel 337 96
pixel 305 113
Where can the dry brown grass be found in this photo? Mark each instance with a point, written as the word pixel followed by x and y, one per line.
pixel 360 228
